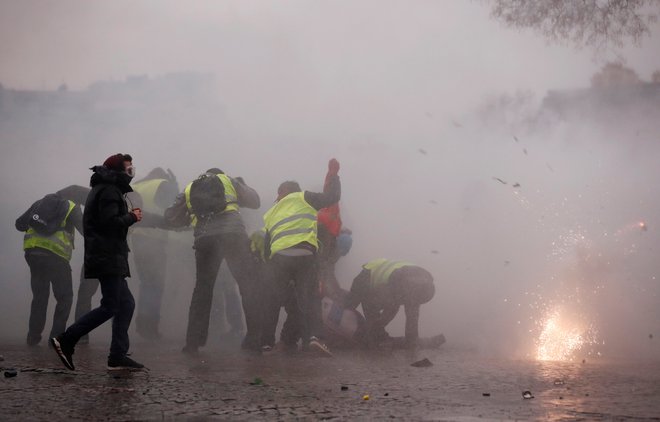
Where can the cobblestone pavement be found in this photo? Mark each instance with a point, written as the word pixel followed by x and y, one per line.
pixel 461 385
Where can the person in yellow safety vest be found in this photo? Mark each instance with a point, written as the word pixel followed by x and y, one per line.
pixel 219 235
pixel 382 287
pixel 152 194
pixel 48 255
pixel 291 248
pixel 156 192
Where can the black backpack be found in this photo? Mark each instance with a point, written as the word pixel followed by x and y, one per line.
pixel 207 196
pixel 48 214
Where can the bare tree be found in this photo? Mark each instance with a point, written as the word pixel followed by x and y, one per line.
pixel 601 24
pixel 615 74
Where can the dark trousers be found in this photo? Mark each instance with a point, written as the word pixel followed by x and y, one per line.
pixel 117 303
pixel 293 283
pixel 150 255
pixel 209 253
pixel 45 270
pixel 86 291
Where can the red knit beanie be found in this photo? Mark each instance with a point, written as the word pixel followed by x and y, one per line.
pixel 115 162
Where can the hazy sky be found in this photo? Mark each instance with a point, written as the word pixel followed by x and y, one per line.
pixel 439 55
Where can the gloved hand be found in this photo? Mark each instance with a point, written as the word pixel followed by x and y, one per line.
pixel 333 167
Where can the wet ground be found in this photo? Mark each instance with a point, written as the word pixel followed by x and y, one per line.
pixel 461 385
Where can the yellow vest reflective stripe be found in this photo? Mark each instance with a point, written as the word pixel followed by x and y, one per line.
pixel 290 222
pixel 60 243
pixel 231 197
pixel 381 270
pixel 147 190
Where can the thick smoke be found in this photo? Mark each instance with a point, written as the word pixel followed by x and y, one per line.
pixel 518 205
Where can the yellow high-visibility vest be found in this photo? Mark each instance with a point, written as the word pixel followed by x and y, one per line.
pixel 381 269
pixel 60 243
pixel 291 221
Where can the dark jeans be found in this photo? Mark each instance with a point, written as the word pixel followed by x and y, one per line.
pixel 47 269
pixel 117 303
pixel 150 255
pixel 294 284
pixel 209 253
pixel 86 291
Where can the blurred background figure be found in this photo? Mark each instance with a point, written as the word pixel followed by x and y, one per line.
pixel 155 192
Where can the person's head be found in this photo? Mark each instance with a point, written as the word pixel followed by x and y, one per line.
pixel 287 188
pixel 215 170
pixel 121 163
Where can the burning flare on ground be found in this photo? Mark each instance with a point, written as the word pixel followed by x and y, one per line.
pixel 561 337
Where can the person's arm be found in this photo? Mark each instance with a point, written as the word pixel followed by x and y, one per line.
pixel 330 195
pixel 412 325
pixel 247 197
pixel 177 215
pixel 22 221
pixel 386 316
pixel 151 220
pixel 109 212
pixel 359 290
pixel 76 218
pixel 331 189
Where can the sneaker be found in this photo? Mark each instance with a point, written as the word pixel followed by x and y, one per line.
pixel 318 348
pixel 124 363
pixel 64 350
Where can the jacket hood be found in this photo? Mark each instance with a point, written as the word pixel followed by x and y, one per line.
pixel 103 175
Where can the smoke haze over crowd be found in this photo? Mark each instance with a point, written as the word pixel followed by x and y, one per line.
pixel 479 152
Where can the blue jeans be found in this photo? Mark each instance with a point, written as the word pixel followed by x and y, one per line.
pixel 117 302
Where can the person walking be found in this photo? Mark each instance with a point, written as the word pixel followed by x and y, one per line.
pixel 106 220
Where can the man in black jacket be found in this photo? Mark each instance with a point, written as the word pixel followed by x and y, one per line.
pixel 106 220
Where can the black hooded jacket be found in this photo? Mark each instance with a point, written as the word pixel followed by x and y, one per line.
pixel 106 221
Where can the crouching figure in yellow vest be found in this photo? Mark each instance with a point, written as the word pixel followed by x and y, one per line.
pixel 291 246
pixel 382 287
pixel 48 243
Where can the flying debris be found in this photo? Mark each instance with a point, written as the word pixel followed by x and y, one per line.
pixel 507 262
pixel 515 138
pixel 429 115
pixel 499 180
pixel 433 201
pixel 525 151
pixel 527 395
pixel 549 167
pixel 435 252
pixel 642 226
pixel 422 151
pixel 456 124
pixel 516 185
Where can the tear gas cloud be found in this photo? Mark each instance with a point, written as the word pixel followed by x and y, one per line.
pixel 529 208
